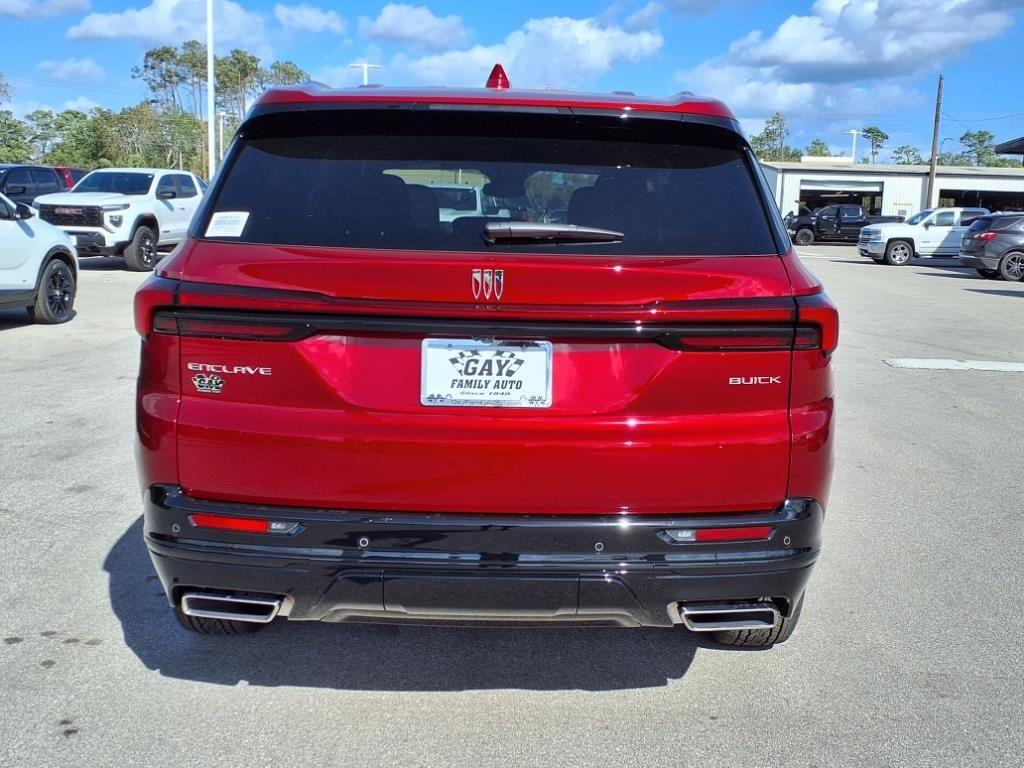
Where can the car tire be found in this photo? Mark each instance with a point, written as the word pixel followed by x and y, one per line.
pixel 804 236
pixel 141 255
pixel 762 637
pixel 206 626
pixel 1011 266
pixel 55 295
pixel 989 274
pixel 898 253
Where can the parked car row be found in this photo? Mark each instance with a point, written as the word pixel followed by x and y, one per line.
pixel 991 243
pixel 134 212
pixel 25 183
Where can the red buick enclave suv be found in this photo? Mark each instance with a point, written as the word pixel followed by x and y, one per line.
pixel 604 399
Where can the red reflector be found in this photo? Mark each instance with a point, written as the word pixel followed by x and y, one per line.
pixel 230 523
pixel 750 533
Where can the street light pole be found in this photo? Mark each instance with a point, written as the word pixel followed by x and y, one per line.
pixel 366 69
pixel 211 139
pixel 935 145
pixel 220 137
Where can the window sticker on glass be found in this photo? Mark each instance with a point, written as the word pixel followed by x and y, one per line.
pixel 227 224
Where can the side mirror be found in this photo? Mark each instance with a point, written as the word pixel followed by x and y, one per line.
pixel 927 225
pixel 167 194
pixel 22 211
pixel 16 189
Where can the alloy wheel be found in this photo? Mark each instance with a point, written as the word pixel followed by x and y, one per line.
pixel 58 293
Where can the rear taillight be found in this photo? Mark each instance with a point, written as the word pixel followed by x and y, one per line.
pixel 818 311
pixel 226 327
pixel 744 338
pixel 155 292
pixel 985 237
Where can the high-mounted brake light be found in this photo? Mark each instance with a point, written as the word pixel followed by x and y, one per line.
pixel 498 79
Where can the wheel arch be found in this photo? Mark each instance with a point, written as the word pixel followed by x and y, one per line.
pixel 60 253
pixel 147 220
pixel 908 240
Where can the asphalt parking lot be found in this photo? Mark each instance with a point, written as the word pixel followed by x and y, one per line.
pixel 909 651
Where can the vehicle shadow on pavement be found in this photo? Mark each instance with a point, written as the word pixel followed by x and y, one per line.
pixel 996 292
pixel 102 264
pixel 18 318
pixel 368 657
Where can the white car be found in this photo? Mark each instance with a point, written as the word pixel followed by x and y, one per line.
pixel 37 265
pixel 131 211
pixel 932 232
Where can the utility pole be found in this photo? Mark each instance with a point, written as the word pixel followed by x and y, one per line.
pixel 211 138
pixel 935 146
pixel 366 69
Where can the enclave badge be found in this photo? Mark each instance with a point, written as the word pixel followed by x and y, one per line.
pixel 487 283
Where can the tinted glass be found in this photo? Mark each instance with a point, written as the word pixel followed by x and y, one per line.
pixel 1006 222
pixel 124 183
pixel 829 212
pixel 19 177
pixel 185 186
pixel 412 183
pixel 166 184
pixel 46 181
pixel 944 219
pixel 980 225
pixel 851 212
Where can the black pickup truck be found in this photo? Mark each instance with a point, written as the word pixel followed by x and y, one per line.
pixel 833 222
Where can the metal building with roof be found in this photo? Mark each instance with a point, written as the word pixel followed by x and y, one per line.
pixel 892 190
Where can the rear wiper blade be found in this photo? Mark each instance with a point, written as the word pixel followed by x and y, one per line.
pixel 537 232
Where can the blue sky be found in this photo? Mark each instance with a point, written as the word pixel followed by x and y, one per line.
pixel 829 65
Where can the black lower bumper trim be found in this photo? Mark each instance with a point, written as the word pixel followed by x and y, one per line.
pixel 339 565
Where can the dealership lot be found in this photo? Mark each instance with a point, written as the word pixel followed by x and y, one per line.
pixel 908 652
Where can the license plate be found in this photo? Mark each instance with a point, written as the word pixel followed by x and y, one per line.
pixel 460 372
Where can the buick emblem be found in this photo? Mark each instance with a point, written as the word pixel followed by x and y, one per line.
pixel 488 283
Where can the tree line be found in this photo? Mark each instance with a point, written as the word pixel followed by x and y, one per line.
pixel 166 129
pixel 977 148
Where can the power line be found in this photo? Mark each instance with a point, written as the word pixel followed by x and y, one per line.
pixel 44 82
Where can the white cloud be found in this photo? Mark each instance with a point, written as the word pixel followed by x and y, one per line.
pixel 415 25
pixel 71 69
pixel 82 104
pixel 846 56
pixel 35 9
pixel 309 18
pixel 645 18
pixel 172 22
pixel 555 52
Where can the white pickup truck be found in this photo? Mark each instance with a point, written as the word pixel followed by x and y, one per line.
pixel 131 211
pixel 932 232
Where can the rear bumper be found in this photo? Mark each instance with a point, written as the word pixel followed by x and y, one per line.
pixel 373 566
pixel 978 262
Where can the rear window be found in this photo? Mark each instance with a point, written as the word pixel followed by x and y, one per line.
pixel 432 181
pixel 995 222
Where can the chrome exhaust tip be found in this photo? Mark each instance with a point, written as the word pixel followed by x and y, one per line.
pixel 716 617
pixel 207 605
